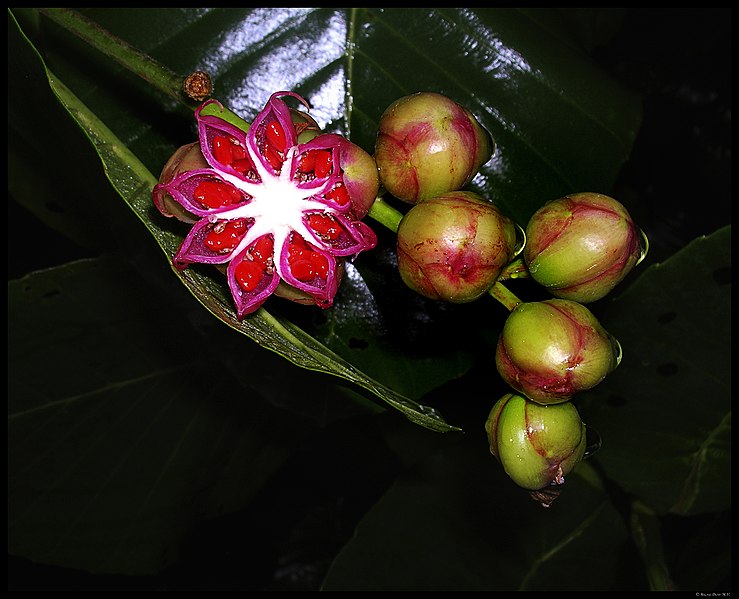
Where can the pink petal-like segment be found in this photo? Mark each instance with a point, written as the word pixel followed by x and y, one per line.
pixel 272 209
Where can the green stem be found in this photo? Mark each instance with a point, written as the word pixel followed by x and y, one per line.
pixel 506 297
pixel 645 529
pixel 385 214
pixel 134 60
pixel 514 270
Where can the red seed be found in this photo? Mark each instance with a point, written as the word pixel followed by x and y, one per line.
pixel 320 264
pixel 274 158
pixel 339 194
pixel 237 150
pixel 323 163
pixel 262 250
pixel 325 226
pixel 303 270
pixel 223 239
pixel 305 263
pixel 215 194
pixel 248 274
pixel 239 225
pixel 235 194
pixel 276 136
pixel 307 162
pixel 294 253
pixel 242 165
pixel 227 150
pixel 297 248
pixel 222 150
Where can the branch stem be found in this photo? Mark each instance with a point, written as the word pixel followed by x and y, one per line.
pixel 505 296
pixel 385 214
pixel 123 53
pixel 514 270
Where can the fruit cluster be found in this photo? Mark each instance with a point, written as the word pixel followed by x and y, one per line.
pixel 453 245
pixel 278 205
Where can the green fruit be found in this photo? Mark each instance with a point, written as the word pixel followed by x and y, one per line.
pixel 537 445
pixel 552 349
pixel 582 245
pixel 428 145
pixel 452 247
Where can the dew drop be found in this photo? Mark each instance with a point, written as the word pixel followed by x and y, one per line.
pixel 593 441
pixel 520 240
pixel 644 246
pixel 429 411
pixel 617 351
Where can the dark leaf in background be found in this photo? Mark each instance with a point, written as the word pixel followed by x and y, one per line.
pixel 665 413
pixel 455 522
pixel 123 432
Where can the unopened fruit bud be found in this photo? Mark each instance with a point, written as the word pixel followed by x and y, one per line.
pixel 536 445
pixel 453 247
pixel 582 245
pixel 428 145
pixel 550 350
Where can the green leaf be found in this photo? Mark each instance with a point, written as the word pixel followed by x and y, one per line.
pixel 455 522
pixel 392 343
pixel 665 413
pixel 123 430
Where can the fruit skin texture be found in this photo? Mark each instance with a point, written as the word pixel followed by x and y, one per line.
pixel 186 158
pixel 453 247
pixel 536 445
pixel 428 145
pixel 361 177
pixel 550 350
pixel 581 246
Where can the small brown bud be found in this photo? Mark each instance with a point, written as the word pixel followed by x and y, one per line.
pixel 198 86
